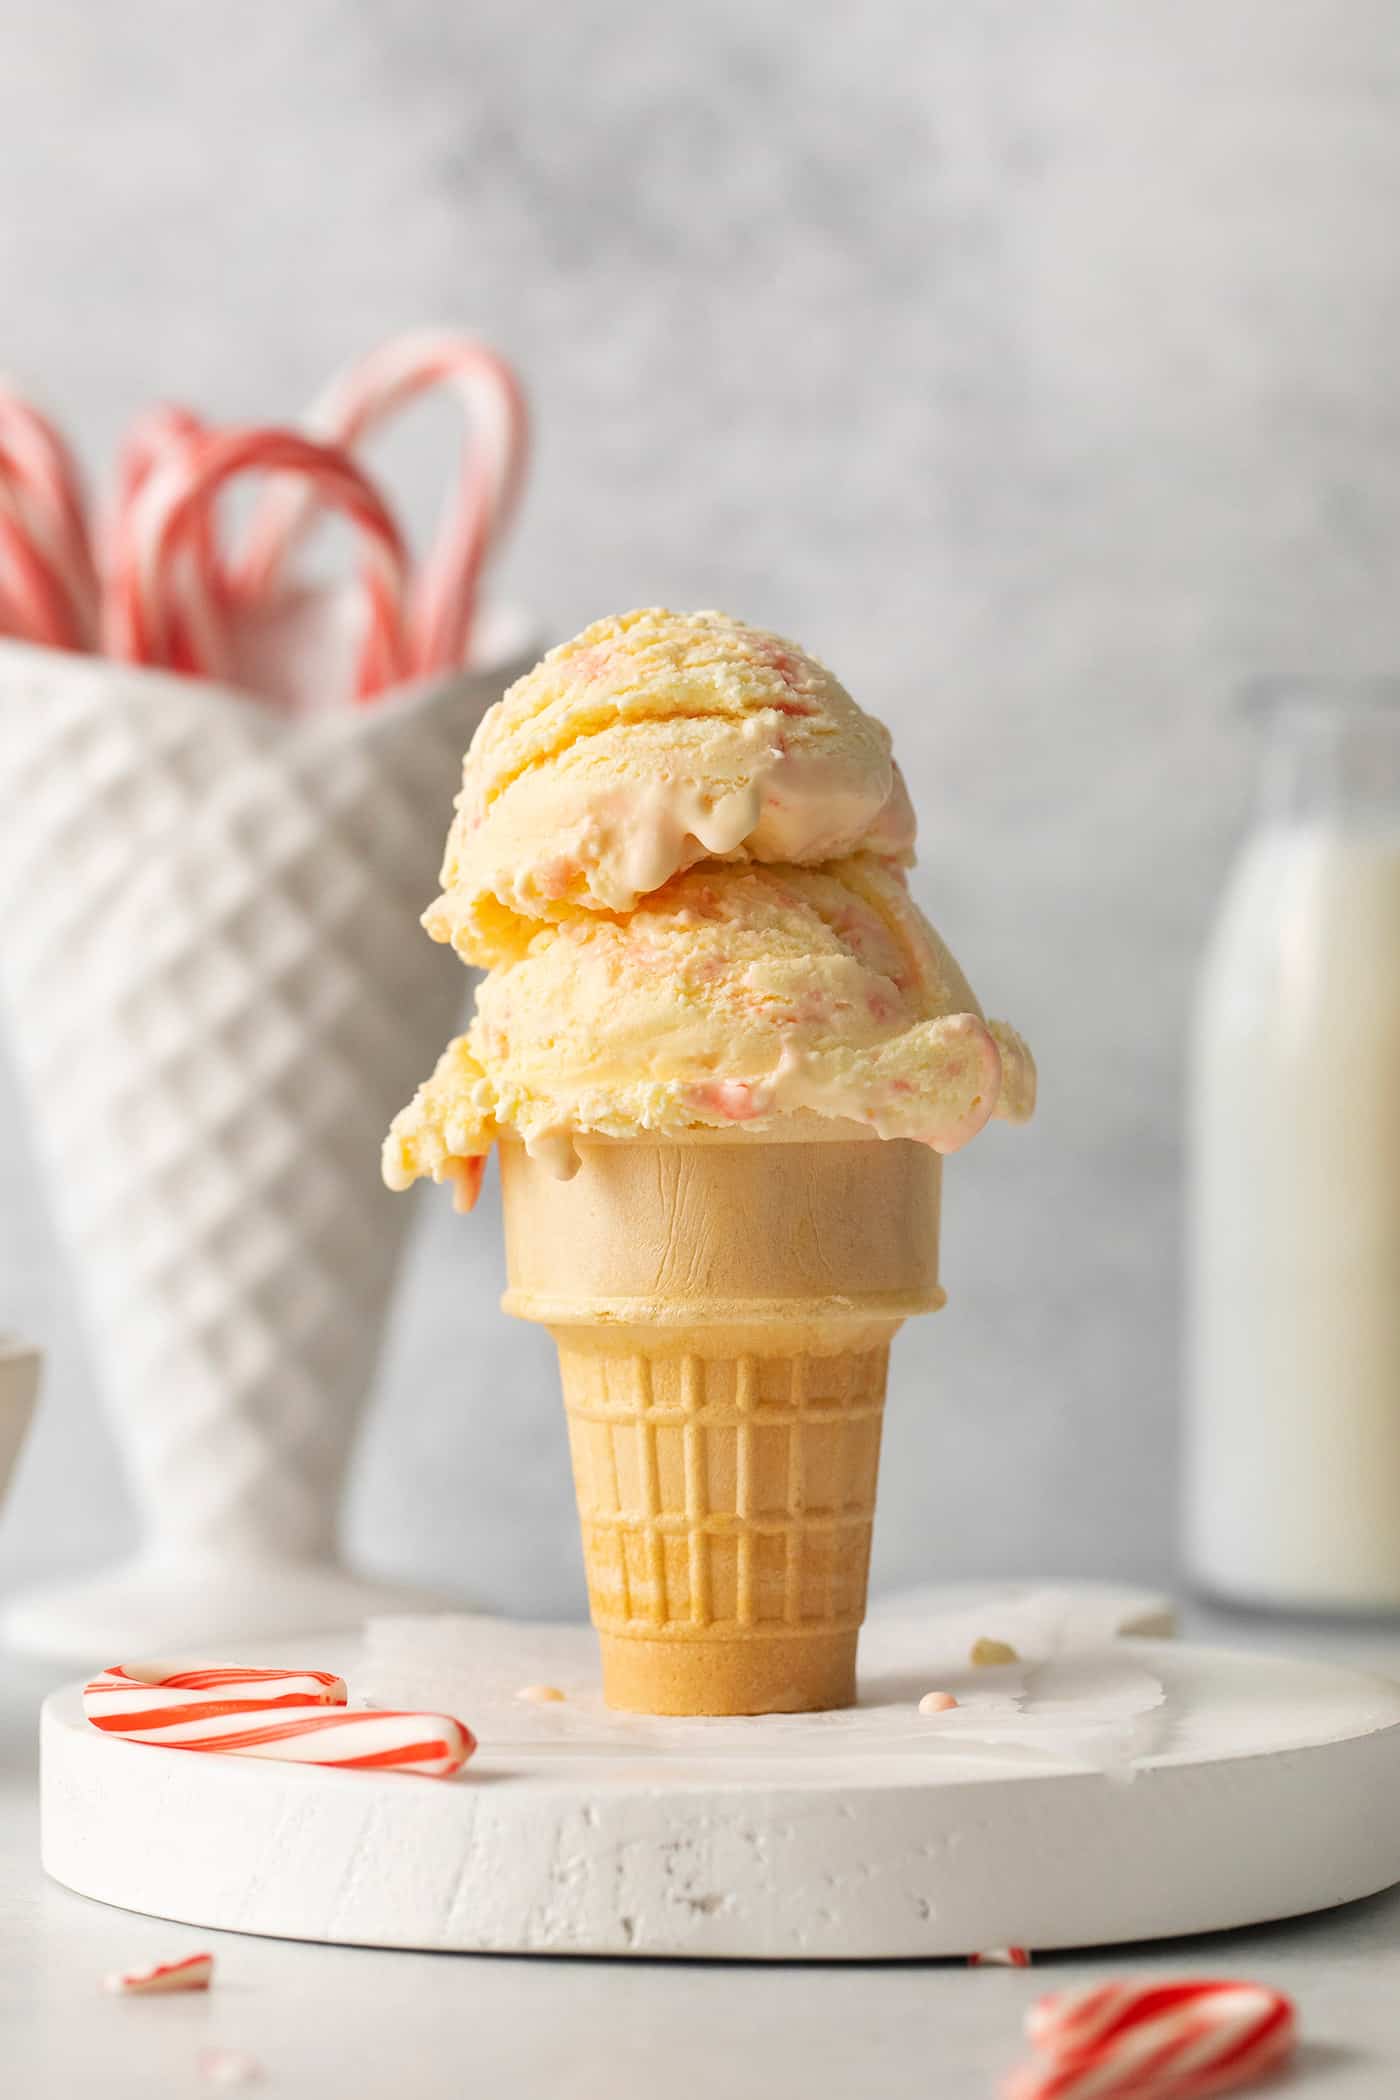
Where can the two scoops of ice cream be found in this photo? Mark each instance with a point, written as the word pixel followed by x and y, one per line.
pixel 679 852
pixel 722 1052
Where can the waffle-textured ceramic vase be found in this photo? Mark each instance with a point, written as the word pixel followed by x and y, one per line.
pixel 19 1385
pixel 215 1009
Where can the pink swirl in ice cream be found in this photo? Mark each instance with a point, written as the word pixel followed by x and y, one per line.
pixel 736 994
pixel 648 743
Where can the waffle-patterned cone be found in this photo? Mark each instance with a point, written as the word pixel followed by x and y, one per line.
pixel 723 1312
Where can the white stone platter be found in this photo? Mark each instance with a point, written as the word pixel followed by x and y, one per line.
pixel 1101 1790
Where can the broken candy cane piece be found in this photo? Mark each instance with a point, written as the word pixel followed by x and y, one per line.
pixel 228 2067
pixel 193 1972
pixel 1000 1958
pixel 1154 2041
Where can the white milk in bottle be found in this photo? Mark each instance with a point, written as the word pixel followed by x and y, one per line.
pixel 1293 1446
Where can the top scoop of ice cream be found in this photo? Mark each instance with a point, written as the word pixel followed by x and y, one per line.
pixel 650 742
pixel 733 996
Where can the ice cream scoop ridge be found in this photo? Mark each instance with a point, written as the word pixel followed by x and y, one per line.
pixel 650 742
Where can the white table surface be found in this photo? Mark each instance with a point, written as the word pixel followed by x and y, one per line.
pixel 325 2021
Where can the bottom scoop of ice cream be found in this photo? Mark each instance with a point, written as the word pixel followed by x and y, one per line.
pixel 735 995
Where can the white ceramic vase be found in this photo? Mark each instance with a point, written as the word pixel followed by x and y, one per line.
pixel 218 996
pixel 19 1382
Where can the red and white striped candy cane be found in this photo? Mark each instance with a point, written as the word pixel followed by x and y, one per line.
pixel 488 485
pixel 53 578
pixel 192 1972
pixel 350 1738
pixel 142 1699
pixel 296 1716
pixel 162 607
pixel 1154 2041
pixel 157 437
pixel 35 604
pixel 158 434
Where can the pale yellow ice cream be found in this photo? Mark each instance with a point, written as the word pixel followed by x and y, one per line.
pixel 678 850
pixel 650 742
pixel 735 994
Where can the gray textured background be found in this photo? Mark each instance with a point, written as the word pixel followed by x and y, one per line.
pixel 1035 365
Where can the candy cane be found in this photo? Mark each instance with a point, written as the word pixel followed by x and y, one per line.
pixel 37 608
pixel 1145 2041
pixel 297 1716
pixel 488 486
pixel 145 1698
pixel 229 2067
pixel 195 1972
pixel 351 1738
pixel 145 616
pixel 44 501
pixel 159 436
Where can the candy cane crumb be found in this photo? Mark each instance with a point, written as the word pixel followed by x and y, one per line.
pixel 228 2067
pixel 986 1654
pixel 193 1972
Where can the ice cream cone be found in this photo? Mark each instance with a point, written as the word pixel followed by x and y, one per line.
pixel 723 1308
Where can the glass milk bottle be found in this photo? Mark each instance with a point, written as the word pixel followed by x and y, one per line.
pixel 1293 1444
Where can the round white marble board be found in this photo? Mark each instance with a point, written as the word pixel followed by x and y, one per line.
pixel 1103 1790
